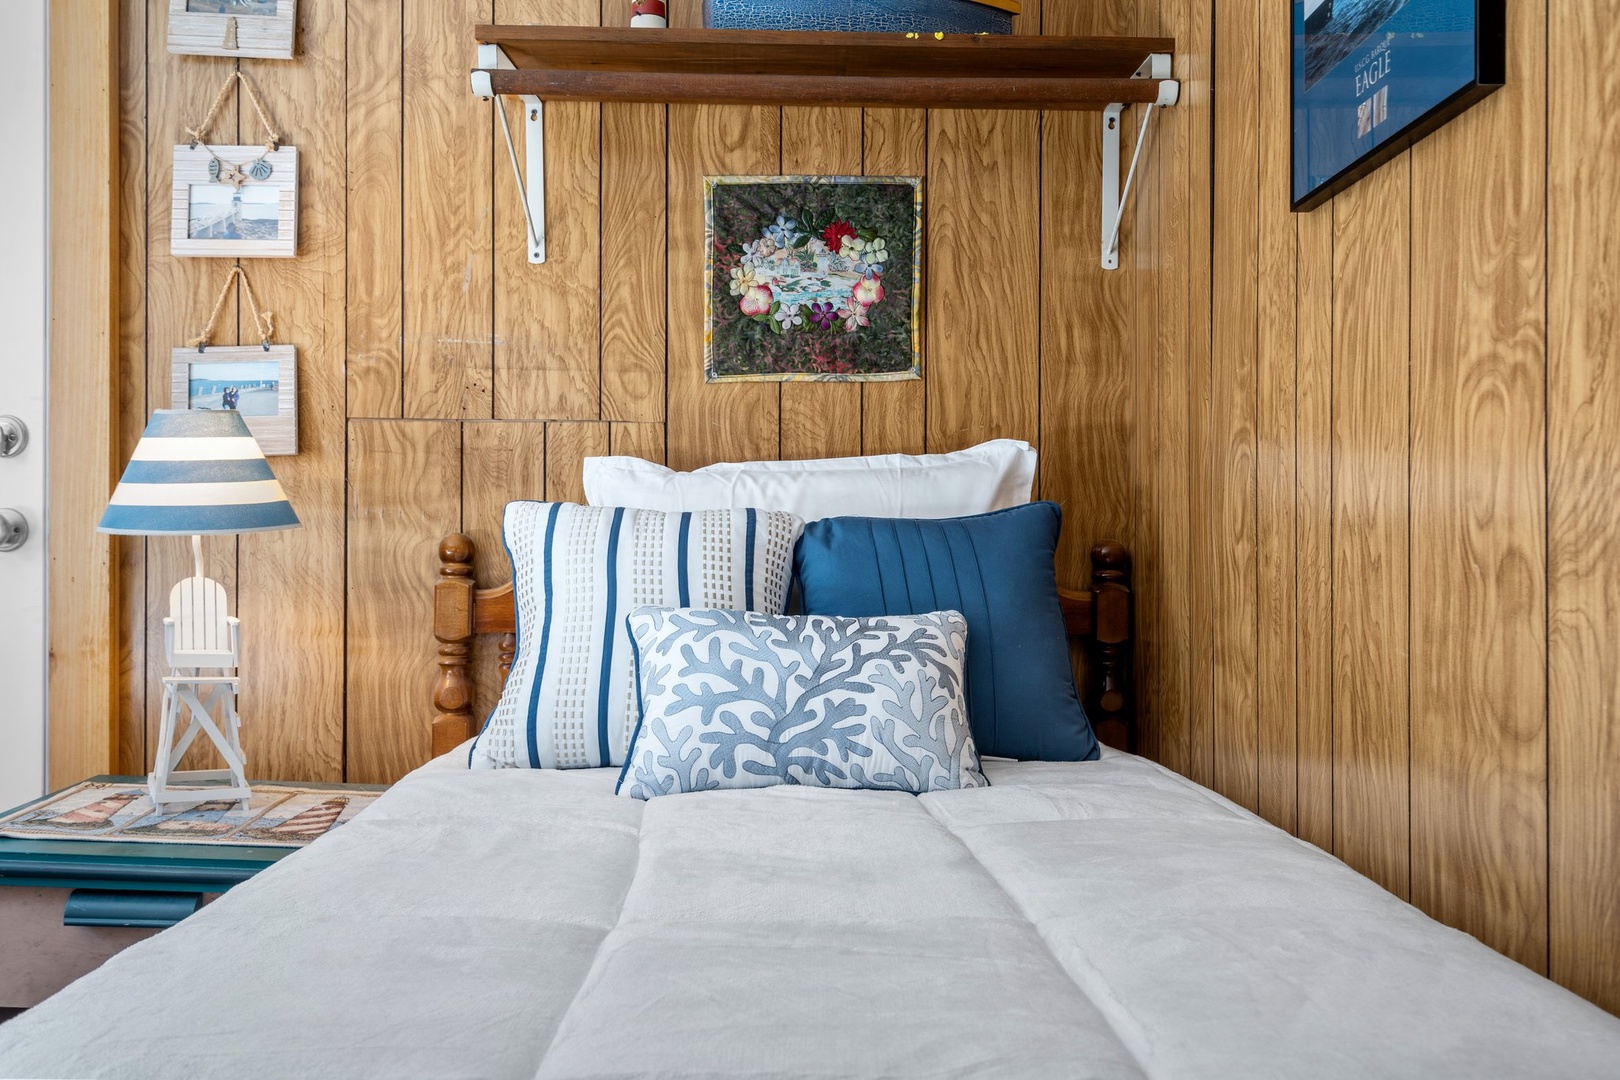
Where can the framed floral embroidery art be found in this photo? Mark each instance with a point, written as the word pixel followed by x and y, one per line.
pixel 813 277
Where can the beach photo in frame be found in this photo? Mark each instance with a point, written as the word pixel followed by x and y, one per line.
pixel 218 215
pixel 264 29
pixel 260 383
pixel 814 278
pixel 1372 77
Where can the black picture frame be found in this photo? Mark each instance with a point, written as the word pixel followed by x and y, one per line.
pixel 1407 67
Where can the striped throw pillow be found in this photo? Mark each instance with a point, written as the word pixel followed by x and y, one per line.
pixel 577 572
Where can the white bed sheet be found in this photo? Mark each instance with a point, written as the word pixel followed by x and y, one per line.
pixel 1107 919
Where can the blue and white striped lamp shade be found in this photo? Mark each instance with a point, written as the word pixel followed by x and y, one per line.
pixel 197 473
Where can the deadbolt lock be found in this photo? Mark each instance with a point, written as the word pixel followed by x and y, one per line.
pixel 13 436
pixel 13 530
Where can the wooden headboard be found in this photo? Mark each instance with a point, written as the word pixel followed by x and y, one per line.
pixel 1098 619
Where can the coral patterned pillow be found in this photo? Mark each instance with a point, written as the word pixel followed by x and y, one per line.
pixel 736 699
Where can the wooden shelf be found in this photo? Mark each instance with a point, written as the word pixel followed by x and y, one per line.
pixel 712 67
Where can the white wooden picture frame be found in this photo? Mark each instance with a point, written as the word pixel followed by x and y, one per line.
pixel 201 380
pixel 214 219
pixel 257 28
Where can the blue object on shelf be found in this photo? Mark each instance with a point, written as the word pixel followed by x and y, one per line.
pixel 92 907
pixel 899 16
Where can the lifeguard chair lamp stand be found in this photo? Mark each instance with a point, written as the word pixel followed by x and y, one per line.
pixel 197 473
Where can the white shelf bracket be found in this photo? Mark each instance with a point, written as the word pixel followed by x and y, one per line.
pixel 1114 196
pixel 531 181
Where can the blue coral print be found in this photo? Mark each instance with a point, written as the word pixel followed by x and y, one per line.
pixel 733 699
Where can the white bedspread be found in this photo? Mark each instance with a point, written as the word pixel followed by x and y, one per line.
pixel 1097 920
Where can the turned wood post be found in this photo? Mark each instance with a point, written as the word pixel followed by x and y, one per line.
pixel 1111 593
pixel 508 654
pixel 453 629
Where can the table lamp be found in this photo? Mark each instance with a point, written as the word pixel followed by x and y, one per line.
pixel 198 473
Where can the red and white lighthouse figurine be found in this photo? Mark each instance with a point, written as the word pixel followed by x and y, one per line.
pixel 648 13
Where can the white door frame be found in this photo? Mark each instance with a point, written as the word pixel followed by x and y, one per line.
pixel 23 358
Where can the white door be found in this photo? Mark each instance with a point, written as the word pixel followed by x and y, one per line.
pixel 23 82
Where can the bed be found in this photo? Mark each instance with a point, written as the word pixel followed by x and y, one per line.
pixel 1093 919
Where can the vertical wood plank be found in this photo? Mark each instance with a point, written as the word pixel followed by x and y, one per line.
pixel 548 322
pixel 83 388
pixel 404 495
pixel 1314 507
pixel 984 269
pixel 1198 62
pixel 448 305
pixel 1145 513
pixel 821 420
pixel 892 413
pixel 1236 390
pixel 375 214
pixel 645 441
pixel 1089 356
pixel 1584 516
pixel 288 583
pixel 130 551
pixel 567 447
pixel 1371 395
pixel 635 250
pixel 983 326
pixel 723 421
pixel 500 462
pixel 1479 556
pixel 1177 654
pixel 1087 348
pixel 1277 766
pixel 634 259
pixel 180 293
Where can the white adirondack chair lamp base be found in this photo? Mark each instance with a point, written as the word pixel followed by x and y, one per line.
pixel 198 474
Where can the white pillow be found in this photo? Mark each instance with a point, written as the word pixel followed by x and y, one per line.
pixel 738 699
pixel 577 571
pixel 990 476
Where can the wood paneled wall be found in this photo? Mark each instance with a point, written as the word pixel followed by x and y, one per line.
pixel 1364 457
pixel 1415 434
pixel 442 374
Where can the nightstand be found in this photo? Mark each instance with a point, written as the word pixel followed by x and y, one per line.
pixel 66 906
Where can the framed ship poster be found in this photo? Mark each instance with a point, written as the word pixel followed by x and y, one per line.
pixel 1372 77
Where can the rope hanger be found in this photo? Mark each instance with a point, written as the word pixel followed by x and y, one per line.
pixel 272 137
pixel 264 319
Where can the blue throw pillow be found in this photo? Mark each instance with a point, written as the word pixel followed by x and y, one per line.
pixel 996 569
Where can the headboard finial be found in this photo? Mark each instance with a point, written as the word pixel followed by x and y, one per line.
pixel 456 556
pixel 1110 556
pixel 453 629
pixel 1111 592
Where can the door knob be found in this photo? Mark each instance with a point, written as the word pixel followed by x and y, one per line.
pixel 13 436
pixel 13 530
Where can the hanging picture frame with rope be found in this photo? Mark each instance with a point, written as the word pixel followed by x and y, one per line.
pixel 263 29
pixel 258 381
pixel 235 201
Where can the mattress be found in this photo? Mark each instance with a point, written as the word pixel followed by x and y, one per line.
pixel 1101 919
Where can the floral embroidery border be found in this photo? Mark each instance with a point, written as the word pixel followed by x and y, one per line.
pixel 805 289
